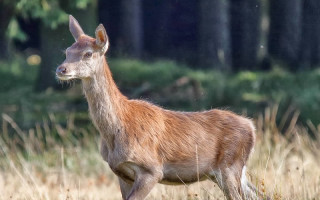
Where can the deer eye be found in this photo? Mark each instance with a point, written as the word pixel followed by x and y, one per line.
pixel 87 54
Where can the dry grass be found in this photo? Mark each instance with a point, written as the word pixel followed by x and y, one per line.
pixel 285 165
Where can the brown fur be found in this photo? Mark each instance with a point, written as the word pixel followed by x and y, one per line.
pixel 145 144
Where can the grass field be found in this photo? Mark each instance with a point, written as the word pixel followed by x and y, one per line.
pixel 49 148
pixel 284 166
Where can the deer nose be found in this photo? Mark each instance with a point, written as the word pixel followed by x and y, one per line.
pixel 61 70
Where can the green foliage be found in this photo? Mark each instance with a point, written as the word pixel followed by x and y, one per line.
pixel 131 74
pixel 51 12
pixel 16 74
pixel 14 31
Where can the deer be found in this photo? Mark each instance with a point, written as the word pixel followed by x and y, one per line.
pixel 145 144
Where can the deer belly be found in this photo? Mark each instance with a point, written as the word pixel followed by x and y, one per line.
pixel 177 174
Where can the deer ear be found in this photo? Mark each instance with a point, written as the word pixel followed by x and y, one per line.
pixel 75 28
pixel 102 40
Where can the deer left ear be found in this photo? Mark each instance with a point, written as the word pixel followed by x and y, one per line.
pixel 75 28
pixel 102 40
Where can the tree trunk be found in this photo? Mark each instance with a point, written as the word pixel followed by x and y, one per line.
pixel 245 33
pixel 130 42
pixel 310 40
pixel 109 16
pixel 214 40
pixel 53 42
pixel 5 17
pixel 156 16
pixel 285 30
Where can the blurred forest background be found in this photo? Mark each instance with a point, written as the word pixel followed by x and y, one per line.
pixel 259 58
pixel 242 54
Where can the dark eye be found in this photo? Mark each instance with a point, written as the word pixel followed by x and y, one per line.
pixel 87 54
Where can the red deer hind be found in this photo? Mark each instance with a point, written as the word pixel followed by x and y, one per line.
pixel 145 144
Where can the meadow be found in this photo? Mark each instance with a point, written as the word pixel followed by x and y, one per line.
pixel 50 150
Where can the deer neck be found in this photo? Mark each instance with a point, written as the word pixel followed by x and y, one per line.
pixel 105 101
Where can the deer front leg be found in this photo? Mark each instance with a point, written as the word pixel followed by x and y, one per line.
pixel 144 182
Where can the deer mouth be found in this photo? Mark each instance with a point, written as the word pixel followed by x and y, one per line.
pixel 63 73
pixel 64 77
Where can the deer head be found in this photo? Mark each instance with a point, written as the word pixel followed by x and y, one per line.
pixel 83 56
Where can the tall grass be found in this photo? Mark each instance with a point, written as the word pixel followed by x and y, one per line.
pixel 54 161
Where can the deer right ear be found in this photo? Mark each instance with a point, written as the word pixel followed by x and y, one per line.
pixel 75 28
pixel 102 40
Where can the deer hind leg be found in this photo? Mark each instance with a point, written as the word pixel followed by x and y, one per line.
pixel 229 181
pixel 254 193
pixel 250 192
pixel 232 184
